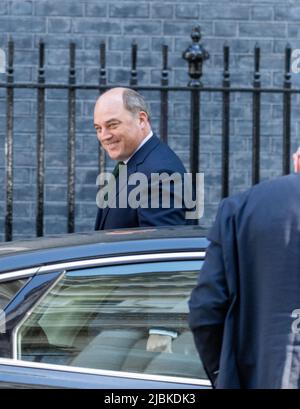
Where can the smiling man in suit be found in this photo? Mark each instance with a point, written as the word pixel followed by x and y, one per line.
pixel 122 123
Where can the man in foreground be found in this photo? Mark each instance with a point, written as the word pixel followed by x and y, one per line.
pixel 245 309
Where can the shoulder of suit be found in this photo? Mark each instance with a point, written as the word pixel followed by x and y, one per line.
pixel 234 202
pixel 260 190
pixel 262 194
pixel 161 158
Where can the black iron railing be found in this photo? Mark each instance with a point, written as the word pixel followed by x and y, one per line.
pixel 195 56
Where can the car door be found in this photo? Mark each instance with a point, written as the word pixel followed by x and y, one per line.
pixel 122 316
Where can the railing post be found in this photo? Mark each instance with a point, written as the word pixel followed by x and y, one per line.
pixel 9 143
pixel 71 141
pixel 195 55
pixel 133 76
pixel 40 143
pixel 286 143
pixel 225 123
pixel 102 81
pixel 102 71
pixel 164 96
pixel 256 118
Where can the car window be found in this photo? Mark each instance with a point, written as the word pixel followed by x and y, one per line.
pixel 8 289
pixel 130 318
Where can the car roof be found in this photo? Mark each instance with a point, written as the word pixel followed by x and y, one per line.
pixel 42 251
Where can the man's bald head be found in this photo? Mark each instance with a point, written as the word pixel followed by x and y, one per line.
pixel 132 101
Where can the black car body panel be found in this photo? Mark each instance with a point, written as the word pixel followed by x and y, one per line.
pixel 45 261
pixel 14 376
pixel 43 251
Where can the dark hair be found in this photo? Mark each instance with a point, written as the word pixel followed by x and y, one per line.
pixel 134 102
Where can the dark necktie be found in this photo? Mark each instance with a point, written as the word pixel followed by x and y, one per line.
pixel 115 173
pixel 116 170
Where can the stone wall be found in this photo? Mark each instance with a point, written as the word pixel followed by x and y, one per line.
pixel 241 23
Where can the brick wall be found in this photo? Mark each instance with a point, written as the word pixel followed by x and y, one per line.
pixel 241 23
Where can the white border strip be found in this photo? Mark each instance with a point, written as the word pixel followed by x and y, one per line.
pixel 104 372
pixel 123 259
pixel 102 261
pixel 18 274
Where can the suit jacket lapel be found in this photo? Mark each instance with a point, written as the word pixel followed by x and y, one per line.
pixel 132 164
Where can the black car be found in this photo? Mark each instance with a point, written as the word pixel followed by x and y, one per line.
pixel 100 310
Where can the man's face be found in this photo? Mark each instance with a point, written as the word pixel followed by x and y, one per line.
pixel 118 130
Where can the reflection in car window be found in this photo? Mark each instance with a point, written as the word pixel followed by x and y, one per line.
pixel 130 318
pixel 9 289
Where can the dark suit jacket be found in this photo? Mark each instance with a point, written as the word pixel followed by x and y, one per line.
pixel 152 157
pixel 241 309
